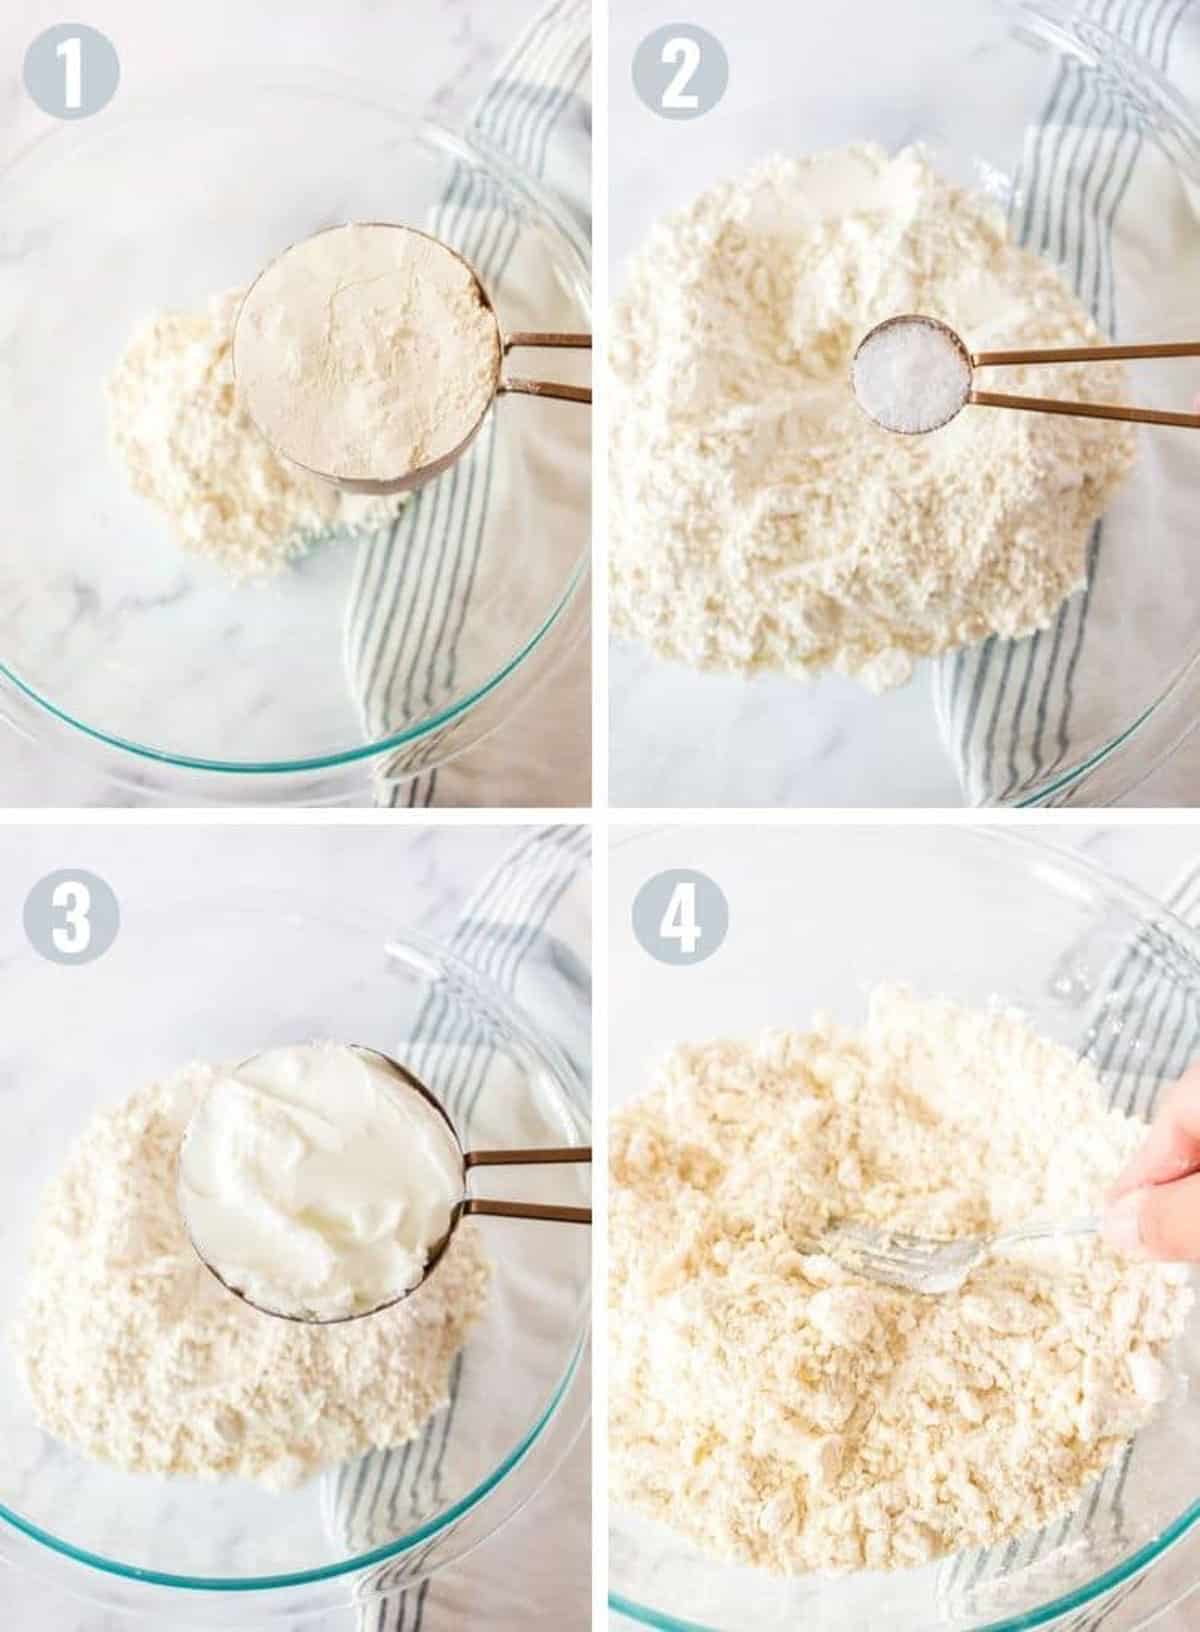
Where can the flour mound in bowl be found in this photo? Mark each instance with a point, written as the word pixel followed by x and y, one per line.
pixel 778 1410
pixel 132 1352
pixel 187 445
pixel 759 520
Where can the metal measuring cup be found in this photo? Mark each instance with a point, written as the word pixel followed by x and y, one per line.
pixel 467 1203
pixel 502 384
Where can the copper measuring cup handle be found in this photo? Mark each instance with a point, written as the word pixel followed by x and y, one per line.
pixel 1085 354
pixel 547 388
pixel 526 1158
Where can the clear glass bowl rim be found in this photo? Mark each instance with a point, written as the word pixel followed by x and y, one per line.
pixel 433 954
pixel 1053 23
pixel 1143 904
pixel 472 150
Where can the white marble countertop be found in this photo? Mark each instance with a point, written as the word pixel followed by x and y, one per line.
pixel 428 874
pixel 682 739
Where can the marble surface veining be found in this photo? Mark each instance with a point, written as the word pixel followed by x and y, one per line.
pixel 428 875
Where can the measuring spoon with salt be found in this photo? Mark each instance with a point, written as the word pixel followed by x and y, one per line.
pixel 913 374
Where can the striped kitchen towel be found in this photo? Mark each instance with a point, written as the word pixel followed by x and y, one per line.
pixel 1141 1031
pixel 477 548
pixel 528 930
pixel 1117 207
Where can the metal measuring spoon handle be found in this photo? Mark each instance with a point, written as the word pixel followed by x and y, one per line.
pixel 547 388
pixel 526 1158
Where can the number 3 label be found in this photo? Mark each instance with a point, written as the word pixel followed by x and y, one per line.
pixel 73 932
pixel 680 916
pixel 71 916
pixel 680 71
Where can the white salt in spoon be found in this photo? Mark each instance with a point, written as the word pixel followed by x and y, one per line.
pixel 914 374
pixel 467 1204
pixel 499 345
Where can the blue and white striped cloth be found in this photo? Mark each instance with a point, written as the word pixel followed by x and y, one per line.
pixel 528 930
pixel 1141 1032
pixel 418 582
pixel 1098 196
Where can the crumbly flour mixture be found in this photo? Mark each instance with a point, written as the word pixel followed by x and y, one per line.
pixel 759 519
pixel 188 447
pixel 133 1353
pixel 367 352
pixel 782 1412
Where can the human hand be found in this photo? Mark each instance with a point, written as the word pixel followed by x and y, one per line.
pixel 1154 1207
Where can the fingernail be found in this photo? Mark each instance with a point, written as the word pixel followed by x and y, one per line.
pixel 1121 1226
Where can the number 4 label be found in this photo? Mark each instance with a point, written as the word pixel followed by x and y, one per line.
pixel 680 916
pixel 679 920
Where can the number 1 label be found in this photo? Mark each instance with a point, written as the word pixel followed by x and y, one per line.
pixel 72 71
pixel 71 53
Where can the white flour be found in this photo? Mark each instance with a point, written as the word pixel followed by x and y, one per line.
pixel 367 352
pixel 780 1411
pixel 133 1353
pixel 759 520
pixel 188 448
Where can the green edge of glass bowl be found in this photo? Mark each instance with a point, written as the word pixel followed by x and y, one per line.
pixel 518 183
pixel 328 1572
pixel 1115 1577
pixel 1152 1551
pixel 321 762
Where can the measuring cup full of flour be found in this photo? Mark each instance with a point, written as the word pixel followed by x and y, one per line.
pixel 369 355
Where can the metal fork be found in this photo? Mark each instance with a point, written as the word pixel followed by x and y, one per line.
pixel 919 1263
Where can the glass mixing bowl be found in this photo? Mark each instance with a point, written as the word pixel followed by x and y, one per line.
pixel 281 968
pixel 970 83
pixel 121 648
pixel 817 916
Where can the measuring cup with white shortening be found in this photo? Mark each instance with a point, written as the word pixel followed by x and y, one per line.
pixel 272 410
pixel 306 1152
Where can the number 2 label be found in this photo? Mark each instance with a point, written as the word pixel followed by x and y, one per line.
pixel 684 54
pixel 680 71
